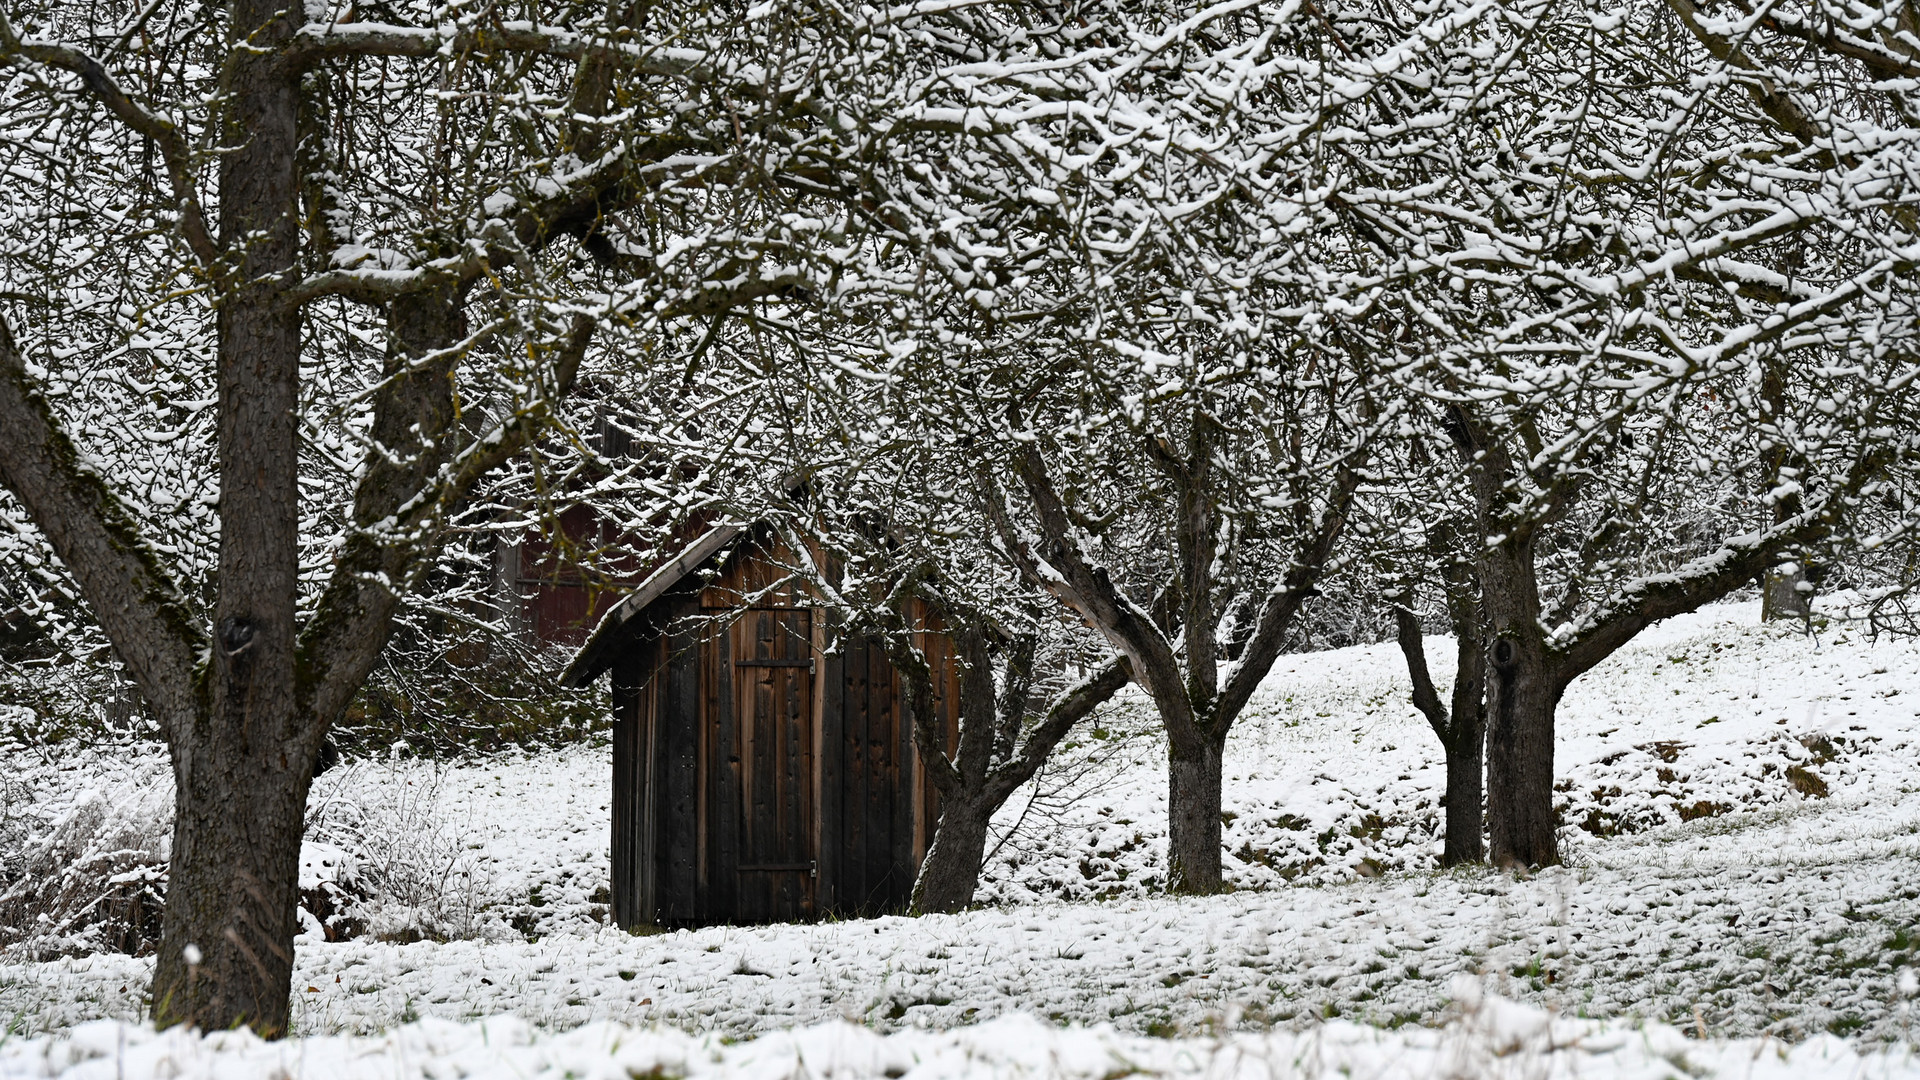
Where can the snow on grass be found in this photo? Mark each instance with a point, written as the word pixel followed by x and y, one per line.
pixel 1712 885
pixel 1486 1038
pixel 1332 774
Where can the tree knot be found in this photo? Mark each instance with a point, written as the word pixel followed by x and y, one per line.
pixel 236 634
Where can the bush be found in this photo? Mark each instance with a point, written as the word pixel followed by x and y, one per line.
pixel 83 869
pixel 84 847
pixel 406 871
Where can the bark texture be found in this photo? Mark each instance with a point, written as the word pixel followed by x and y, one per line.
pixel 1521 695
pixel 1466 798
pixel 1193 818
pixel 951 871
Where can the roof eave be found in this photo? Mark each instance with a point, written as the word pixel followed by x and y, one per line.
pixel 597 654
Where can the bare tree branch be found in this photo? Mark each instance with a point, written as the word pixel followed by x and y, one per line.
pixel 164 132
pixel 320 41
pixel 1073 705
pixel 1284 602
pixel 124 581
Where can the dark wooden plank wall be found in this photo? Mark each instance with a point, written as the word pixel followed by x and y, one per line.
pixel 632 831
pixel 860 768
pixel 879 849
pixel 757 729
pixel 720 755
pixel 774 718
pixel 779 781
pixel 677 734
pixel 756 577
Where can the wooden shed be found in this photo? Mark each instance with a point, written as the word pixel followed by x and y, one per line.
pixel 762 771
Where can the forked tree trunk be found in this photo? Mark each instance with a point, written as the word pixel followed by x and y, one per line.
pixel 992 760
pixel 241 768
pixel 1461 729
pixel 1193 817
pixel 1181 676
pixel 951 871
pixel 1521 697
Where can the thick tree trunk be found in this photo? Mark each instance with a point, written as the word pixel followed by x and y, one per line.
pixel 242 766
pixel 1521 697
pixel 1193 818
pixel 232 892
pixel 1522 686
pixel 951 870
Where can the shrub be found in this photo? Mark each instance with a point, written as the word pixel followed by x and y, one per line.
pixel 83 870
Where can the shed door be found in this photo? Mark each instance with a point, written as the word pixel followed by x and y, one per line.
pixel 773 701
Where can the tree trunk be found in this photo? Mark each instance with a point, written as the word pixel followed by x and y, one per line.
pixel 1521 697
pixel 989 767
pixel 1193 818
pixel 1522 687
pixel 1462 729
pixel 951 870
pixel 1781 596
pixel 232 892
pixel 1467 737
pixel 1464 798
pixel 242 765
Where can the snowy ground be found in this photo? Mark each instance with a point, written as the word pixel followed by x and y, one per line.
pixel 1486 1039
pixel 1785 906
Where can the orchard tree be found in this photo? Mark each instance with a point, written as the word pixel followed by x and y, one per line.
pixel 1162 545
pixel 286 292
pixel 1172 451
pixel 1117 311
pixel 1670 354
pixel 1015 706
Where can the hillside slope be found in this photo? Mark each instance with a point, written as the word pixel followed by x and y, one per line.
pixel 1787 903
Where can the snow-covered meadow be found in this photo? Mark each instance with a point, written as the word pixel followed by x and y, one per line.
pixel 1743 839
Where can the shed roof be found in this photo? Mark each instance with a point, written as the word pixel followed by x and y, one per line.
pixel 598 653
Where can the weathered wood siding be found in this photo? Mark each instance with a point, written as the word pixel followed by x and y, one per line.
pixel 676 818
pixel 758 776
pixel 635 787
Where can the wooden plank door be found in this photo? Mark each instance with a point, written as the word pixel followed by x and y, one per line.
pixel 773 673
pixel 870 783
